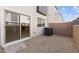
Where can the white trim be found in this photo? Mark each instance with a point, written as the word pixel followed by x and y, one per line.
pixel 3 38
pixel 15 11
pixel 17 41
pixel 2 27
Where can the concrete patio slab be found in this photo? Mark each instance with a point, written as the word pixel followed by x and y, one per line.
pixel 49 44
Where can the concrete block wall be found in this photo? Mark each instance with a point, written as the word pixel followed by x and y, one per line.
pixel 65 29
pixel 76 35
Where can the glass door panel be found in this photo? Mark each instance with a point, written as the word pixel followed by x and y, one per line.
pixel 25 26
pixel 12 25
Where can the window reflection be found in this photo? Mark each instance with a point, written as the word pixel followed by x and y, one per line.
pixel 12 26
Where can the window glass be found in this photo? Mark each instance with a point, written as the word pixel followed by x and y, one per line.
pixel 12 25
pixel 25 26
pixel 40 22
pixel 14 17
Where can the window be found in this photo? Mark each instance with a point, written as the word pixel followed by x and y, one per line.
pixel 12 29
pixel 25 26
pixel 14 17
pixel 40 22
pixel 42 10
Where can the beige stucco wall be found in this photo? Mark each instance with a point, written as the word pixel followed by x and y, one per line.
pixel 54 16
pixel 0 30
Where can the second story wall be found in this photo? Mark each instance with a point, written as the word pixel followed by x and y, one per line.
pixel 54 16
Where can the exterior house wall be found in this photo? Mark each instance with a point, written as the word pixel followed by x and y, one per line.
pixel 0 29
pixel 54 16
pixel 31 11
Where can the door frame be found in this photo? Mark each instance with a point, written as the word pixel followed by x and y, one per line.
pixel 3 33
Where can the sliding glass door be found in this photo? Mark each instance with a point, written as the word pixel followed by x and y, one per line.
pixel 12 25
pixel 17 26
pixel 25 26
